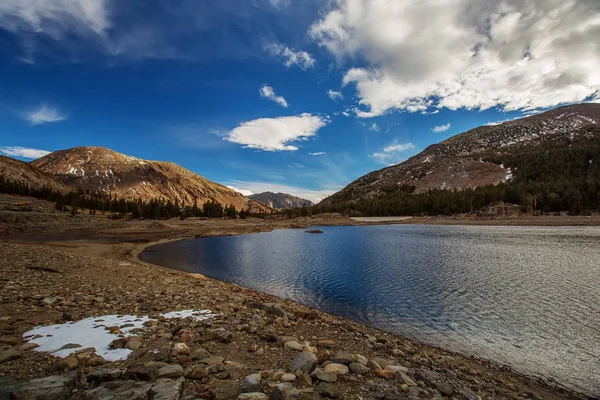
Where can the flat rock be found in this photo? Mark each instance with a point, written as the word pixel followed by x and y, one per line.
pixel 57 387
pixel 293 345
pixel 305 362
pixel 395 368
pixel 359 369
pixel 339 369
pixel 104 375
pixel 167 389
pixel 171 371
pixel 120 390
pixel 212 360
pixel 9 355
pixel 142 373
pixel 343 357
pixel 320 375
pixel 253 396
pixel 404 378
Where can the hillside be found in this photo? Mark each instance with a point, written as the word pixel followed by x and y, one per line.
pixel 280 200
pixel 457 163
pixel 15 170
pixel 98 169
pixel 548 162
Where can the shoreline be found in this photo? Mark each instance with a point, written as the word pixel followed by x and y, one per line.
pixel 104 262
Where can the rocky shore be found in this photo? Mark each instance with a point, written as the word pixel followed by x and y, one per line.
pixel 255 347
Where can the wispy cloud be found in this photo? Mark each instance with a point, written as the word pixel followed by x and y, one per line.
pixel 23 152
pixel 275 134
pixel 441 128
pixel 393 153
pixel 374 128
pixel 318 153
pixel 290 57
pixel 333 95
pixel 44 114
pixel 268 93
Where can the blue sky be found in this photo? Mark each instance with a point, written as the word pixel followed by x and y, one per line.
pixel 283 95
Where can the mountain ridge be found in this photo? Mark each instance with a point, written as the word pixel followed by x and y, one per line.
pixel 280 200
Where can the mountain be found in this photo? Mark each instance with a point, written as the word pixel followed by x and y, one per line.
pixel 100 169
pixel 15 170
pixel 280 200
pixel 466 160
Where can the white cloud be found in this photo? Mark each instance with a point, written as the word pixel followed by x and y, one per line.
pixel 514 54
pixel 291 57
pixel 275 134
pixel 393 153
pixel 242 191
pixel 268 93
pixel 441 128
pixel 333 95
pixel 318 153
pixel 374 128
pixel 23 152
pixel 44 114
pixel 310 194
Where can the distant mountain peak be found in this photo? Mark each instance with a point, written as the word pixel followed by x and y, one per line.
pixel 280 200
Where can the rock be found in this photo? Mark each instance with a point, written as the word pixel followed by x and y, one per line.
pixel 404 379
pixel 288 378
pixel 382 362
pixel 199 354
pixel 28 346
pixel 10 340
pixel 70 346
pixel 95 360
pixel 328 344
pixel 212 360
pixel 339 369
pixel 118 343
pixel 373 365
pixel 133 343
pixel 104 375
pixel 69 363
pixel 384 373
pixel 253 396
pixel 445 388
pixel 50 388
pixel 303 380
pixel 358 368
pixel 305 362
pixel 395 368
pixel 293 345
pixel 197 372
pixel 327 390
pixel 122 390
pixel 9 355
pixel 251 383
pixel 181 349
pixel 283 391
pixel 147 373
pixel 171 371
pixel 167 389
pixel 342 357
pixel 320 375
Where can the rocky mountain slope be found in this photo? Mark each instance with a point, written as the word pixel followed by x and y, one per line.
pixel 280 200
pixel 457 163
pixel 105 170
pixel 15 170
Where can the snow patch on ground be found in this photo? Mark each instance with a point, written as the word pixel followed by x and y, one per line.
pixel 92 332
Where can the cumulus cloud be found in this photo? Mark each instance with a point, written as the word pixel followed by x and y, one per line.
pixel 318 153
pixel 333 95
pixel 268 93
pixel 44 114
pixel 511 54
pixel 441 128
pixel 393 153
pixel 275 134
pixel 290 57
pixel 23 152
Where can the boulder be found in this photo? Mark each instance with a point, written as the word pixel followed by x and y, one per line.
pixel 305 362
pixel 171 371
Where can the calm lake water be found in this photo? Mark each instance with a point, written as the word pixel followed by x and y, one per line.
pixel 528 297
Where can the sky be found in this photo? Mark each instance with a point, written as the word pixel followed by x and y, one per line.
pixel 296 96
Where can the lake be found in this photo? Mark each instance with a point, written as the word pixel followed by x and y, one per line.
pixel 528 297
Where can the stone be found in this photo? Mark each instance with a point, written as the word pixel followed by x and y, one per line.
pixel 327 390
pixel 293 345
pixel 9 355
pixel 181 349
pixel 104 375
pixel 199 354
pixel 121 390
pixel 69 363
pixel 384 373
pixel 70 346
pixel 28 346
pixel 196 372
pixel 445 388
pixel 328 344
pixel 404 379
pixel 320 375
pixel 171 371
pixel 133 343
pixel 251 383
pixel 10 340
pixel 253 396
pixel 283 391
pixel 288 378
pixel 147 373
pixel 339 369
pixel 212 360
pixel 343 357
pixel 373 365
pixel 359 369
pixel 395 368
pixel 57 387
pixel 167 389
pixel 382 362
pixel 303 380
pixel 305 362
pixel 95 360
